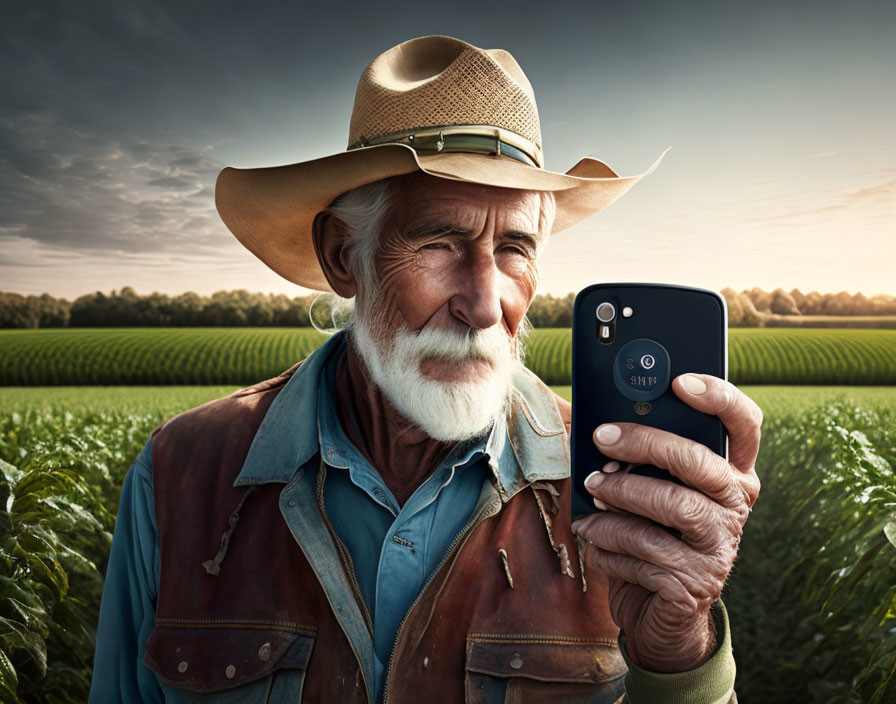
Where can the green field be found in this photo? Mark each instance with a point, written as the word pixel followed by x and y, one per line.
pixel 761 356
pixel 242 356
pixel 780 400
pixel 144 400
pixel 151 355
pixel 168 400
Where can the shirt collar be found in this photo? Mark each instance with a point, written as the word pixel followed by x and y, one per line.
pixel 528 446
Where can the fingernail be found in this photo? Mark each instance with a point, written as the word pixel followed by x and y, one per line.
pixel 693 384
pixel 593 480
pixel 608 434
pixel 610 467
pixel 601 505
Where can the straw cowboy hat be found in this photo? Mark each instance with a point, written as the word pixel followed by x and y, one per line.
pixel 432 104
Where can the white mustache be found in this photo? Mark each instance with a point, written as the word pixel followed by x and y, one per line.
pixel 452 345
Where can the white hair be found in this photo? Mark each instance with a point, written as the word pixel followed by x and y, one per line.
pixel 363 211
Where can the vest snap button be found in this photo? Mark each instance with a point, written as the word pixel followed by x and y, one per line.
pixel 264 652
pixel 425 662
pixel 182 666
pixel 292 503
pixel 516 662
pixel 230 672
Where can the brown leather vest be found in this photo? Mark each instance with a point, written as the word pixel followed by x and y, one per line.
pixel 508 616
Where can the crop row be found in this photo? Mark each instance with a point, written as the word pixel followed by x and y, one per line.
pixel 812 597
pixel 243 356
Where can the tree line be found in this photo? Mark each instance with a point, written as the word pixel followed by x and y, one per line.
pixel 241 308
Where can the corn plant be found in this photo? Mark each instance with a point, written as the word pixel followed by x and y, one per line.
pixel 57 510
pixel 813 594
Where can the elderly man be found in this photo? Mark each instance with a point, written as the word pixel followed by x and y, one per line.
pixel 389 519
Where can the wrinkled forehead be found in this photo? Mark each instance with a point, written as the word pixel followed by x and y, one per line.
pixel 425 199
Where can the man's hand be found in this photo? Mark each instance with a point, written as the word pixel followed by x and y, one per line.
pixel 661 587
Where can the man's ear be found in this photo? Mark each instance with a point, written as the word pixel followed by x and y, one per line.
pixel 328 234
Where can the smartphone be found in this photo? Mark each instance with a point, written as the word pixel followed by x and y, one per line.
pixel 629 341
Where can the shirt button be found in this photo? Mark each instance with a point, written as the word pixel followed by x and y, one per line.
pixel 329 452
pixel 291 503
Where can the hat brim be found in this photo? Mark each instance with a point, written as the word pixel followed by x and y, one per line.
pixel 271 210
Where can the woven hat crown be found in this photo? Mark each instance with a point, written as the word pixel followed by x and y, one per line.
pixel 439 81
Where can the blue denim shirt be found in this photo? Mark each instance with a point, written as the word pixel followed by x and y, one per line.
pixel 394 550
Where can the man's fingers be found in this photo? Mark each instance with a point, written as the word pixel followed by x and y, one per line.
pixel 740 415
pixel 638 537
pixel 703 575
pixel 692 462
pixel 651 577
pixel 696 517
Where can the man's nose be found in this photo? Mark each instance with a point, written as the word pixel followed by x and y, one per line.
pixel 477 301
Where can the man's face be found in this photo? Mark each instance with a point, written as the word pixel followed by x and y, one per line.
pixel 458 256
pixel 456 272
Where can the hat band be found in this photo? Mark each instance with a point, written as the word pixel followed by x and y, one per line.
pixel 479 139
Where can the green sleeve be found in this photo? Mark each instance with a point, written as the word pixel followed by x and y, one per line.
pixel 710 683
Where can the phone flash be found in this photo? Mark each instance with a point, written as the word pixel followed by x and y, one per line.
pixel 604 330
pixel 627 312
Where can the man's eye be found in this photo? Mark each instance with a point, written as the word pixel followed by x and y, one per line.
pixel 435 245
pixel 517 250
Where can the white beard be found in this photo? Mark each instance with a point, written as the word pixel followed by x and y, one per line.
pixel 449 411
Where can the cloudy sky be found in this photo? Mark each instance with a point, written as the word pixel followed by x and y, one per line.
pixel 117 116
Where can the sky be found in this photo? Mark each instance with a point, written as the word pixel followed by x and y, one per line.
pixel 117 117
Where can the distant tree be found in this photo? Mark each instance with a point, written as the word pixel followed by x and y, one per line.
pixel 813 304
pixel 15 312
pixel 90 310
pixel 735 307
pixel 783 303
pixel 547 311
pixel 240 307
pixel 761 299
pixel 751 318
pixel 882 304
pixel 186 310
pixel 838 304
pixel 741 312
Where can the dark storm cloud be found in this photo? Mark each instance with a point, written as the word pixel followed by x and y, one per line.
pixel 87 160
pixel 64 188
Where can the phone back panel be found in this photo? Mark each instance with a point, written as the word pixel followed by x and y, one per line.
pixel 690 323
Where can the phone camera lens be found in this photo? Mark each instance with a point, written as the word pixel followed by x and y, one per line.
pixel 606 312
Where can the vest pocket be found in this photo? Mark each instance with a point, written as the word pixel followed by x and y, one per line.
pixel 537 669
pixel 225 661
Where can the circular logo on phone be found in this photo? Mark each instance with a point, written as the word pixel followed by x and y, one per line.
pixel 647 380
